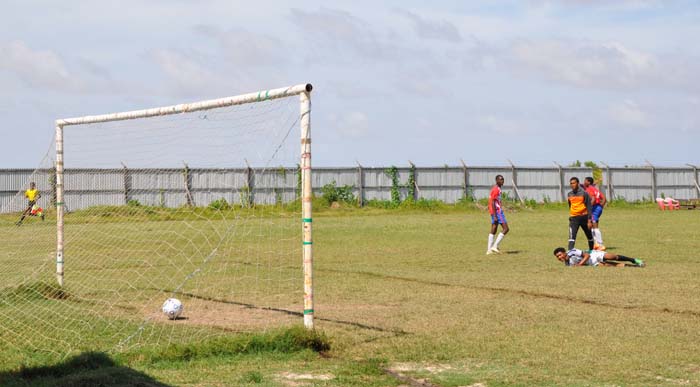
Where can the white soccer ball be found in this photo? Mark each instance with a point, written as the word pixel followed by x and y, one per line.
pixel 172 307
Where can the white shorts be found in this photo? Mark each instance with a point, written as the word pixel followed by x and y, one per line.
pixel 596 257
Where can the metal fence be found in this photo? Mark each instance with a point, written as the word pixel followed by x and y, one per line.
pixel 199 187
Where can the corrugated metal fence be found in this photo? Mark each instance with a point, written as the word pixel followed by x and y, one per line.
pixel 178 187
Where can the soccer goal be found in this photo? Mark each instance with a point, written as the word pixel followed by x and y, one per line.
pixel 198 201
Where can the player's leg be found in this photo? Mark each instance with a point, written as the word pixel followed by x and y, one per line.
pixel 623 258
pixel 595 220
pixel 24 214
pixel 573 229
pixel 492 234
pixel 584 226
pixel 501 218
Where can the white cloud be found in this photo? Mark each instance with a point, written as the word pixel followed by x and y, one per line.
pixel 334 35
pixel 352 124
pixel 186 75
pixel 585 64
pixel 37 68
pixel 245 48
pixel 433 29
pixel 629 114
pixel 503 125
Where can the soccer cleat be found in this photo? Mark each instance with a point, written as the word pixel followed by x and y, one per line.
pixel 598 247
pixel 19 223
pixel 495 250
pixel 42 217
pixel 639 263
pixel 489 252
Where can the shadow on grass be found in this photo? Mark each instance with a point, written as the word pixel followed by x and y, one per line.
pixel 86 369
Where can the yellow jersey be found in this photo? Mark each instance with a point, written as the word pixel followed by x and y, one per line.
pixel 31 194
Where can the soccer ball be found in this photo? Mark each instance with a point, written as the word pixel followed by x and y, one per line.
pixel 172 307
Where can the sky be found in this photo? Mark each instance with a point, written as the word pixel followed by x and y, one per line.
pixel 530 81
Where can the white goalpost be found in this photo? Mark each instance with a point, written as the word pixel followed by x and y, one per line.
pixel 303 90
pixel 198 201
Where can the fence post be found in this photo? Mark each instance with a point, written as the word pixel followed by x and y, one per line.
pixel 653 181
pixel 697 183
pixel 188 186
pixel 248 189
pixel 610 183
pixel 127 184
pixel 412 181
pixel 360 185
pixel 514 179
pixel 466 179
pixel 562 194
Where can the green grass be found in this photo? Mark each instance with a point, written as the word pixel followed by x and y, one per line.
pixel 409 290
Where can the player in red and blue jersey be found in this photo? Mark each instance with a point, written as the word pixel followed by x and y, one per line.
pixel 597 203
pixel 497 217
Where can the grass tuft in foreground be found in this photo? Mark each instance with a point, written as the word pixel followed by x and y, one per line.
pixel 34 291
pixel 290 340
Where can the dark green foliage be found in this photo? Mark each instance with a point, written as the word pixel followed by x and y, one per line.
pixel 411 183
pixel 331 193
pixel 220 204
pixel 133 203
pixel 34 291
pixel 288 340
pixel 252 377
pixel 393 173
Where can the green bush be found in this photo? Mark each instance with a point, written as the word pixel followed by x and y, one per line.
pixel 220 204
pixel 332 193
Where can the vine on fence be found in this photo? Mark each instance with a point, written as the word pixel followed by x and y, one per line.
pixel 393 173
pixel 411 184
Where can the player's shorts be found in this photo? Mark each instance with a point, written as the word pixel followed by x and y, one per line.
pixel 596 212
pixel 498 218
pixel 596 257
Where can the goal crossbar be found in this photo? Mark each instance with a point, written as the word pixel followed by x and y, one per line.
pixel 303 90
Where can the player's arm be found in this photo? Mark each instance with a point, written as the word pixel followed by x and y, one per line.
pixel 587 201
pixel 603 200
pixel 585 258
pixel 492 198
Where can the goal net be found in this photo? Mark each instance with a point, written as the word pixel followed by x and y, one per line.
pixel 202 202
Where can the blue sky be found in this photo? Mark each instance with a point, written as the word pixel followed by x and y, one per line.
pixel 432 82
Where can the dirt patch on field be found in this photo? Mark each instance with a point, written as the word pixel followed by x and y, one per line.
pixel 404 371
pixel 229 315
pixel 294 379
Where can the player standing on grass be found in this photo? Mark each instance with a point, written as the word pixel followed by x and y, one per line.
pixel 32 195
pixel 579 213
pixel 497 217
pixel 597 203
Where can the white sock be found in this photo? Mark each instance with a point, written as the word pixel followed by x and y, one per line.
pixel 490 242
pixel 598 236
pixel 498 240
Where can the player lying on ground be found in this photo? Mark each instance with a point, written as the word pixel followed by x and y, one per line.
pixel 576 257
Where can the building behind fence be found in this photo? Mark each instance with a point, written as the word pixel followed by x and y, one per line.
pixel 199 187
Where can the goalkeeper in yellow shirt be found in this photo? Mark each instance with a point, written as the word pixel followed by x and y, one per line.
pixel 32 195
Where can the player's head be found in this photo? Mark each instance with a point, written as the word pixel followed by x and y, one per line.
pixel 588 181
pixel 560 253
pixel 499 180
pixel 573 183
pixel 32 185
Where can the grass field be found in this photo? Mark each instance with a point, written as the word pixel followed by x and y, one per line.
pixel 410 294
